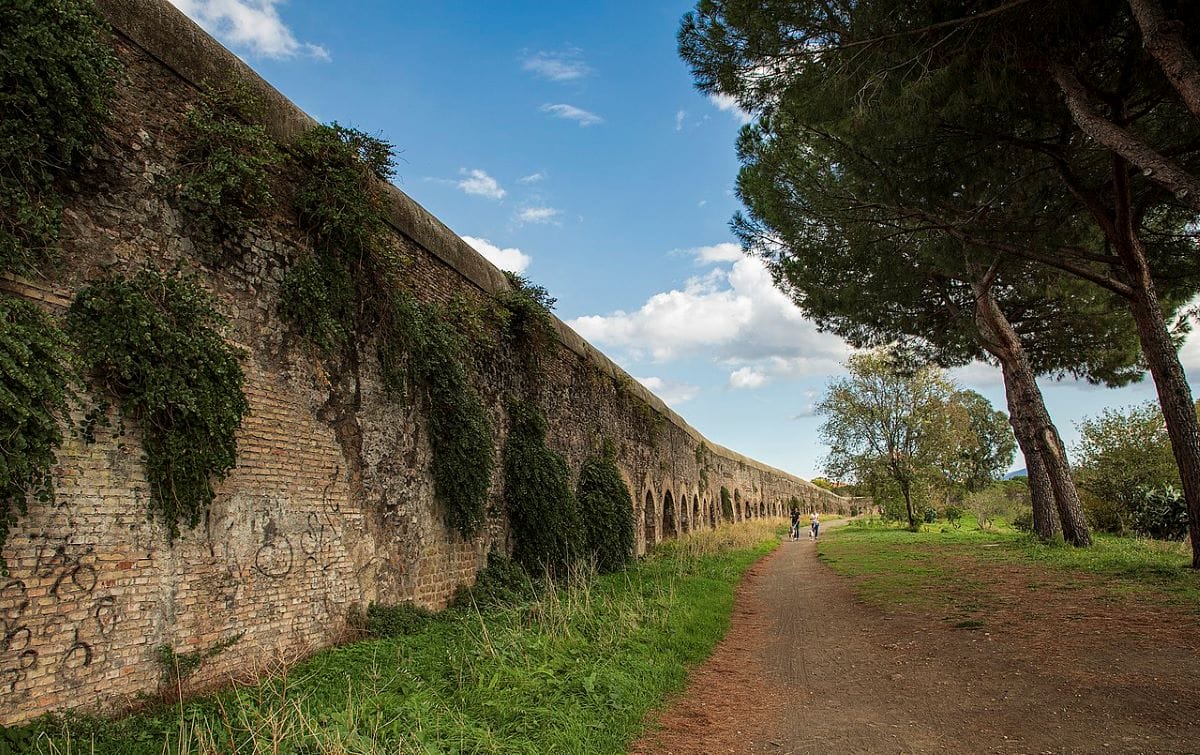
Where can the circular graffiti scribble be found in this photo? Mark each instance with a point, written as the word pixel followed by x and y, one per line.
pixel 105 613
pixel 274 558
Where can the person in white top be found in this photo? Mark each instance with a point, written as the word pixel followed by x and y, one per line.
pixel 816 525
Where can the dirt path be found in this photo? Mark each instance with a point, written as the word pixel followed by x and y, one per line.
pixel 807 668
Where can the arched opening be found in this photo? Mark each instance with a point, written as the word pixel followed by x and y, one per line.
pixel 648 515
pixel 712 513
pixel 668 516
pixel 697 521
pixel 685 520
pixel 749 511
pixel 762 508
pixel 737 506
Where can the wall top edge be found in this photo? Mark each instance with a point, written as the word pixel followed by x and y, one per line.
pixel 165 33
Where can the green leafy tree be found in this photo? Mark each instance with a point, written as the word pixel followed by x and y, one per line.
pixel 986 447
pixel 606 510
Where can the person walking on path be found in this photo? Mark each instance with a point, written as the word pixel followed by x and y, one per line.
pixel 795 525
pixel 816 525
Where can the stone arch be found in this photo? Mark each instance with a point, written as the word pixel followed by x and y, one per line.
pixel 712 512
pixel 649 520
pixel 686 524
pixel 697 519
pixel 737 505
pixel 669 528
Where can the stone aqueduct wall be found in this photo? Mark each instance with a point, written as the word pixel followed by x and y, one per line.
pixel 329 507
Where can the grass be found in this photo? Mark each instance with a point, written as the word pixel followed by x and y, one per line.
pixel 574 670
pixel 932 570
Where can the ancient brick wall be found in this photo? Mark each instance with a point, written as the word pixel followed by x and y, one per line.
pixel 331 504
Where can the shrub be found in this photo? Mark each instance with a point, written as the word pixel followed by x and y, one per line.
pixel 55 82
pixel 606 510
pixel 501 584
pixel 154 340
pixel 1160 513
pixel 397 620
pixel 223 176
pixel 542 512
pixel 954 515
pixel 1023 522
pixel 35 380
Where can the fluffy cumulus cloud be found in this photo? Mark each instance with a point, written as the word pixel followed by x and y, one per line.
pixel 561 65
pixel 716 253
pixel 538 215
pixel 727 104
pixel 480 184
pixel 509 258
pixel 671 392
pixel 572 113
pixel 251 25
pixel 735 316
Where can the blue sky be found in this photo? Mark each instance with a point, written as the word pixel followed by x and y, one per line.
pixel 565 140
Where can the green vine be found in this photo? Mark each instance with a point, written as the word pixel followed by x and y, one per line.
pixel 606 510
pixel 419 349
pixel 529 322
pixel 223 175
pixel 726 505
pixel 542 511
pixel 56 77
pixel 154 341
pixel 35 381
pixel 335 294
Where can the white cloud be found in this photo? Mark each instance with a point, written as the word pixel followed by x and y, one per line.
pixel 723 252
pixel 537 215
pixel 671 392
pixel 509 258
pixel 562 65
pixel 679 116
pixel 728 104
pixel 532 178
pixel 747 377
pixel 733 315
pixel 480 184
pixel 254 25
pixel 572 113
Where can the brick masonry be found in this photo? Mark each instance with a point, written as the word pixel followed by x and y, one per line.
pixel 330 507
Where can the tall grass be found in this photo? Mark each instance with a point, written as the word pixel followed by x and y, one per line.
pixel 575 669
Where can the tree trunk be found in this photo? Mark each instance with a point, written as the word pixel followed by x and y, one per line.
pixel 912 519
pixel 1164 40
pixel 1045 520
pixel 1028 413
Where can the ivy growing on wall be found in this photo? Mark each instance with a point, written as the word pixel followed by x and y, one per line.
pixel 154 340
pixel 35 380
pixel 224 179
pixel 529 324
pixel 419 350
pixel 56 78
pixel 606 510
pixel 340 204
pixel 542 512
pixel 726 504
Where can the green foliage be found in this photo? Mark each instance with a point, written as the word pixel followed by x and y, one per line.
pixel 530 325
pixel 56 78
pixel 154 340
pixel 419 349
pixel 606 511
pixel 726 504
pixel 501 584
pixel 954 515
pixel 545 521
pixel 223 174
pixel 397 620
pixel 1122 453
pixel 35 380
pixel 340 203
pixel 1160 513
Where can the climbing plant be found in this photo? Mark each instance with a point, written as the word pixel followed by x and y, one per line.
pixel 224 179
pixel 726 505
pixel 35 380
pixel 606 511
pixel 542 511
pixel 154 340
pixel 339 202
pixel 420 351
pixel 529 322
pixel 56 77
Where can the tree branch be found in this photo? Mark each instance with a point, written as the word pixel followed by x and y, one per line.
pixel 1156 167
pixel 1163 39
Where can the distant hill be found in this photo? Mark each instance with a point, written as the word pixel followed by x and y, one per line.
pixel 1016 473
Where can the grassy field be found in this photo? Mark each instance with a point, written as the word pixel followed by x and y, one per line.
pixel 574 670
pixel 938 569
